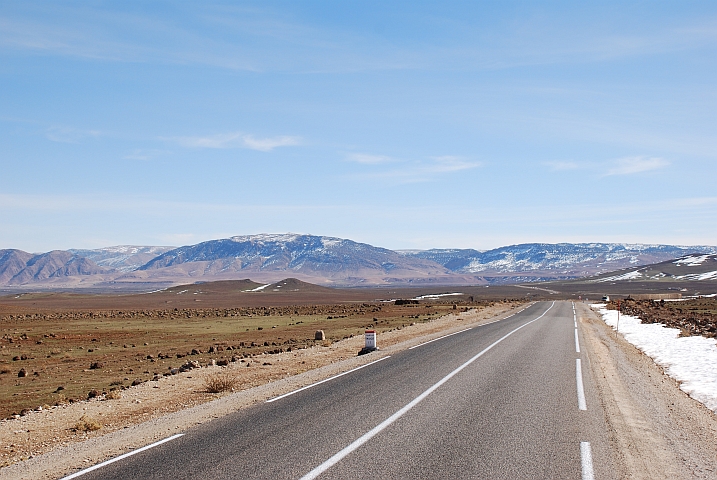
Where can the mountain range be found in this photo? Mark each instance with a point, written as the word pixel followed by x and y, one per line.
pixel 321 260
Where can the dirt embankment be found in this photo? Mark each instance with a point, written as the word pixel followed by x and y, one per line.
pixel 692 317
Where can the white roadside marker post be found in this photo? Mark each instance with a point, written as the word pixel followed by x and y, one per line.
pixel 370 343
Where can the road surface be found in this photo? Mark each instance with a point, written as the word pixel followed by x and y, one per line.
pixel 510 399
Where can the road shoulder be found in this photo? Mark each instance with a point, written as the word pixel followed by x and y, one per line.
pixel 656 430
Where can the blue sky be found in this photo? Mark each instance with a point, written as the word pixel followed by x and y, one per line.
pixel 400 124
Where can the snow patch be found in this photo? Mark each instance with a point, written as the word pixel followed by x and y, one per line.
pixel 625 276
pixel 692 260
pixel 699 276
pixel 689 360
pixel 437 295
pixel 258 289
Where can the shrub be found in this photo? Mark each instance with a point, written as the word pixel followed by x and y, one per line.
pixel 113 394
pixel 87 424
pixel 220 382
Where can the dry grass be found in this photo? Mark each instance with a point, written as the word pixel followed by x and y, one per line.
pixel 220 382
pixel 113 395
pixel 87 424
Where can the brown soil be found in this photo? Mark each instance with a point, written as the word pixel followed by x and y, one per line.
pixel 692 317
pixel 67 355
pixel 55 427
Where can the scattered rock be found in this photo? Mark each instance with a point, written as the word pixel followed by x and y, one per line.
pixel 93 394
pixel 319 335
pixel 22 373
pixel 189 366
pixel 96 365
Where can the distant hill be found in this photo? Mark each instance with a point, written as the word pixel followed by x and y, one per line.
pixel 21 268
pixel 690 268
pixel 329 261
pixel 122 258
pixel 544 261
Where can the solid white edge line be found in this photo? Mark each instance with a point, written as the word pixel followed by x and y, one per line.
pixel 128 454
pixel 586 461
pixel 579 378
pixel 577 342
pixel 381 426
pixel 326 380
pixel 455 333
pixel 439 338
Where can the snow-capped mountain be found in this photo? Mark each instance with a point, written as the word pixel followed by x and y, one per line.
pixel 690 268
pixel 322 260
pixel 270 256
pixel 570 259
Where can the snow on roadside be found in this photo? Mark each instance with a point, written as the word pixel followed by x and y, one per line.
pixel 692 361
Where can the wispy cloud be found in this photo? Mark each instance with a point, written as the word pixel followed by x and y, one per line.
pixel 269 143
pixel 414 171
pixel 451 163
pixel 368 159
pixel 632 165
pixel 64 134
pixel 239 140
pixel 561 166
pixel 620 166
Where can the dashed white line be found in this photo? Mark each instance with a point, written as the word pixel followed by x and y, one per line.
pixel 128 454
pixel 586 460
pixel 435 339
pixel 381 426
pixel 577 342
pixel 326 380
pixel 579 378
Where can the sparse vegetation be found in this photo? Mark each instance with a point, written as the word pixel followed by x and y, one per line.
pixel 87 424
pixel 130 347
pixel 113 395
pixel 220 382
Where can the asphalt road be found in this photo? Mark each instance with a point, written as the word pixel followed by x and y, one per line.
pixel 497 401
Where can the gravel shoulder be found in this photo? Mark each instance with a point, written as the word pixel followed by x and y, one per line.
pixel 44 445
pixel 655 428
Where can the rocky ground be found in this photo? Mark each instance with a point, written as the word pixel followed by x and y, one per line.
pixel 692 317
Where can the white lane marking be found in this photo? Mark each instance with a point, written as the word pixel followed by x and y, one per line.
pixel 586 459
pixel 581 392
pixel 435 339
pixel 326 380
pixel 455 333
pixel 381 426
pixel 128 454
pixel 577 342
